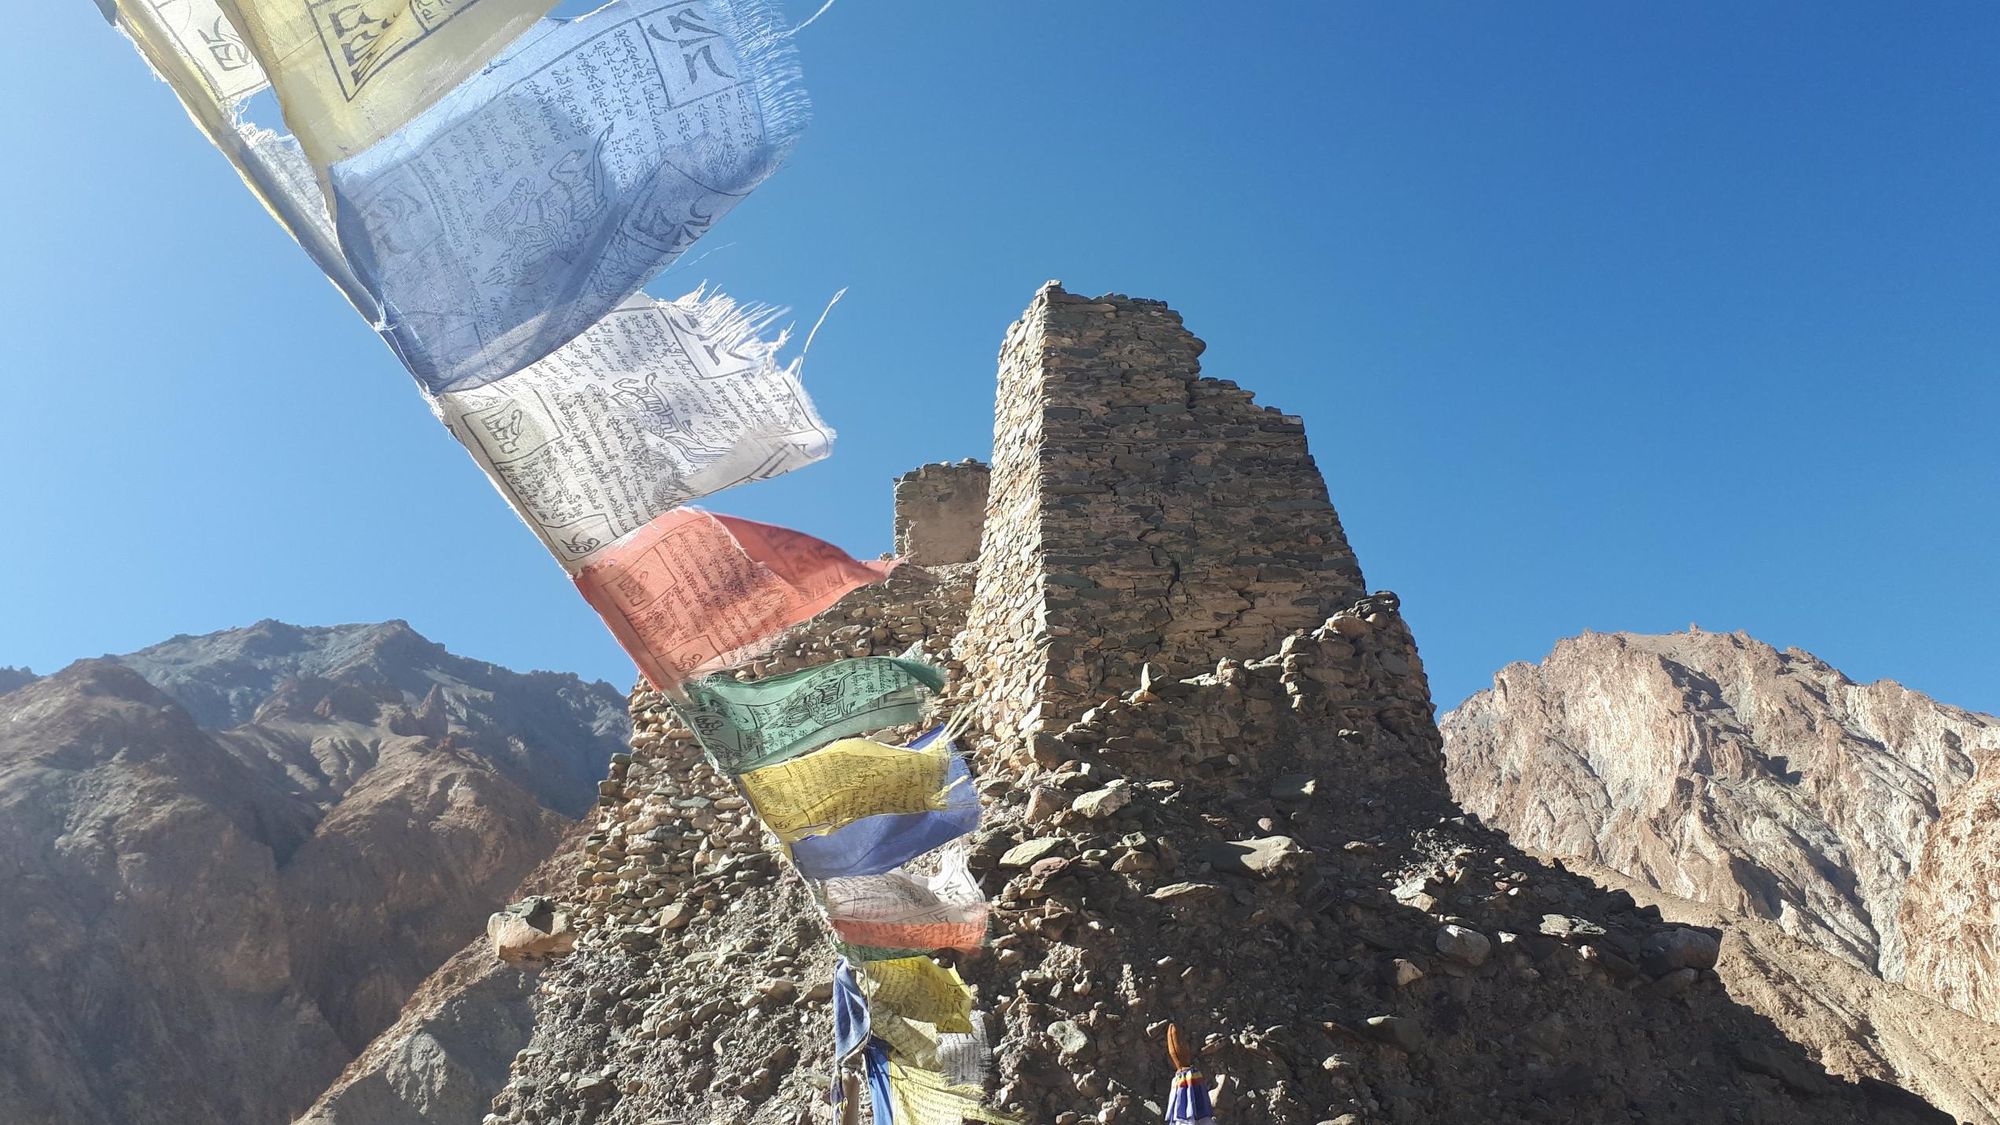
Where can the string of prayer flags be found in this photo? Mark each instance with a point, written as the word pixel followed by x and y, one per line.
pixel 657 404
pixel 918 988
pixel 844 782
pixel 546 188
pixel 350 72
pixel 694 591
pixel 944 909
pixel 875 844
pixel 745 725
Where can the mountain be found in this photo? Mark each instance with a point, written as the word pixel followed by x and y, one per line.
pixel 547 731
pixel 1861 820
pixel 227 860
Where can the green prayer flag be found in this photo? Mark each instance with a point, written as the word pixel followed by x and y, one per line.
pixel 749 725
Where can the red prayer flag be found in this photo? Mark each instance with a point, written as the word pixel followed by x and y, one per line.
pixel 693 591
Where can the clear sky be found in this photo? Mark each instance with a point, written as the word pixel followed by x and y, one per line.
pixel 1601 316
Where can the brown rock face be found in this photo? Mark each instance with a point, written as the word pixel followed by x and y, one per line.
pixel 1950 913
pixel 1724 771
pixel 207 924
pixel 451 1044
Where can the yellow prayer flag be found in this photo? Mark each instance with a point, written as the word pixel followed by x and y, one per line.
pixel 199 53
pixel 916 1042
pixel 925 1097
pixel 350 72
pixel 844 782
pixel 918 988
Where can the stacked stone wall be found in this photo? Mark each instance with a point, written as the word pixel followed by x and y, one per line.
pixel 1007 622
pixel 1138 512
pixel 940 510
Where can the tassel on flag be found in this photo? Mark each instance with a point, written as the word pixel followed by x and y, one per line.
pixel 1187 1102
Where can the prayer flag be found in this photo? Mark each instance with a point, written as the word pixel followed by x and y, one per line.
pixel 350 72
pixel 544 190
pixel 659 403
pixel 925 1097
pixel 844 782
pixel 918 988
pixel 693 591
pixel 875 844
pixel 939 909
pixel 744 725
pixel 1187 1100
pixel 850 1012
pixel 875 1064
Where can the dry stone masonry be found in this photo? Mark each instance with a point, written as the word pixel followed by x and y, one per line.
pixel 940 510
pixel 1213 794
pixel 1139 512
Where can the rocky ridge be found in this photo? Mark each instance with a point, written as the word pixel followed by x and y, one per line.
pixel 209 923
pixel 1844 834
pixel 1724 771
pixel 1283 876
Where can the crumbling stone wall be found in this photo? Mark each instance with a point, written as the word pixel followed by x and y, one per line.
pixel 940 511
pixel 1138 512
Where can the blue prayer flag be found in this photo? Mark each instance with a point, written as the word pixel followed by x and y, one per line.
pixel 523 206
pixel 875 844
pixel 850 1012
pixel 875 1063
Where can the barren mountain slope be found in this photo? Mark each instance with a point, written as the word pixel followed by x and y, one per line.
pixel 1724 771
pixel 213 922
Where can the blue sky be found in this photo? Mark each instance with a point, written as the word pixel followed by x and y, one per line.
pixel 1601 316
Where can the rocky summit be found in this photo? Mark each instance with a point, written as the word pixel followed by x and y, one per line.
pixel 1845 834
pixel 1215 796
pixel 228 860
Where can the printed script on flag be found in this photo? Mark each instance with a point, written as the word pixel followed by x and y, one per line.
pixel 693 591
pixel 350 72
pixel 659 403
pixel 547 188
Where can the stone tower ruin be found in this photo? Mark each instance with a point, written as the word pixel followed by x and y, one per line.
pixel 939 512
pixel 1138 512
pixel 1254 842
